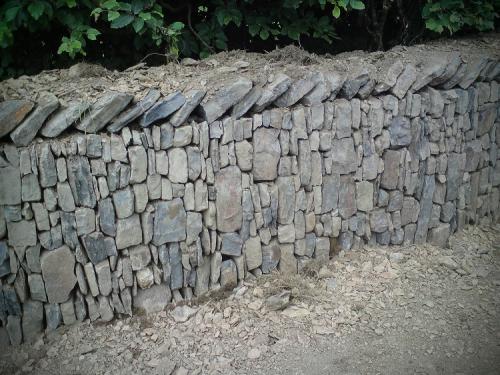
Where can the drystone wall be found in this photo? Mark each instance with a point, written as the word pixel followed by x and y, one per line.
pixel 121 205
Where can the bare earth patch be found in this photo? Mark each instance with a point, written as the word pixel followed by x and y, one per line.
pixel 385 310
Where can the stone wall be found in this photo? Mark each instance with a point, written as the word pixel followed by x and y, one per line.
pixel 125 205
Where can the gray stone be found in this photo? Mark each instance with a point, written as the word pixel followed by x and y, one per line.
pixel 253 253
pixel 124 202
pixel 228 275
pixel 193 98
pixel 21 233
pixel 85 220
pixel 53 316
pixel 486 120
pixel 404 81
pixel 126 117
pixel 177 165
pixel 228 201
pixel 99 247
pixel 347 196
pixel 352 85
pixel 225 98
pixel 28 129
pixel 162 109
pixel 69 229
pixel 395 201
pixel 271 256
pixel 107 220
pixel 194 227
pixel 364 196
pixel 266 154
pixel 32 257
pixel 80 180
pixel 30 188
pixel 169 222
pixel 297 90
pixel 65 197
pixel 128 232
pixel 439 235
pixel 47 166
pixel 152 300
pixel 58 273
pixel 64 118
pixel 175 258
pixel 37 287
pixel 32 322
pixel 472 72
pixel 68 312
pixel 390 78
pixel 105 310
pixel 410 211
pixel 10 185
pixel 244 155
pixel 41 216
pixel 12 112
pixel 272 91
pixel 342 119
pixel 379 221
pixel 138 164
pixel 400 132
pixel 454 175
pixel 425 209
pixel 103 111
pixel 231 244
pixel 286 199
pixel 249 100
pixel 344 158
pixel 14 330
pixel 330 192
pixel 183 136
pixel 103 273
pixel 390 175
pixel 140 257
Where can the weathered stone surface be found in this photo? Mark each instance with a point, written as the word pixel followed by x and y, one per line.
pixel 37 287
pixel 194 227
pixel 231 244
pixel 344 158
pixel 439 235
pixel 390 175
pixel 80 180
pixel 52 316
pixel 347 196
pixel 12 112
pixel 21 233
pixel 177 165
pixel 98 247
pixel 253 253
pixel 400 132
pixel 229 95
pixel 65 197
pixel 454 175
pixel 107 220
pixel 124 202
pixel 286 199
pixel 246 102
pixel 64 118
pixel 425 209
pixel 266 154
pixel 330 192
pixel 10 185
pixel 162 109
pixel 103 273
pixel 145 278
pixel 103 111
pixel 152 300
pixel 58 273
pixel 297 90
pixel 486 120
pixel 342 118
pixel 138 164
pixel 379 222
pixel 390 78
pixel 272 91
pixel 404 81
pixel 271 256
pixel 352 84
pixel 27 130
pixel 32 322
pixel 169 222
pixel 85 220
pixel 126 117
pixel 4 261
pixel 244 155
pixel 364 196
pixel 183 136
pixel 228 275
pixel 128 232
pixel 228 201
pixel 14 329
pixel 193 98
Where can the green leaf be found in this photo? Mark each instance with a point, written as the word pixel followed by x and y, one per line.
pixel 357 4
pixel 110 4
pixel 92 33
pixel 336 12
pixel 122 21
pixel 146 16
pixel 253 29
pixel 177 26
pixel 264 34
pixel 138 24
pixel 36 9
pixel 113 15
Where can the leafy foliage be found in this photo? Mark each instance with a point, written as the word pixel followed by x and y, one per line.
pixel 36 34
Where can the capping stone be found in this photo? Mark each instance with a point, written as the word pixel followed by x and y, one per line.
pixel 163 109
pixel 135 111
pixel 193 98
pixel 64 118
pixel 103 111
pixel 298 89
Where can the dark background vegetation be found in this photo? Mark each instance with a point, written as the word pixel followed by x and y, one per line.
pixel 46 34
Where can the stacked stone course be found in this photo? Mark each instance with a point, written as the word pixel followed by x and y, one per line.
pixel 185 194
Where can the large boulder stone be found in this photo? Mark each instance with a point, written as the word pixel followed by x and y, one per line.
pixel 28 129
pixel 228 199
pixel 151 300
pixel 126 117
pixel 64 118
pixel 224 99
pixel 103 111
pixel 266 154
pixel 58 273
pixel 169 222
pixel 163 109
pixel 12 112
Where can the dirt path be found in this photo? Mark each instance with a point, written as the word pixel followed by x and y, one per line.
pixel 417 309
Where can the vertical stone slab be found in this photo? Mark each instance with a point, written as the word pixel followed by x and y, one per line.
pixel 80 180
pixel 228 199
pixel 425 209
pixel 266 154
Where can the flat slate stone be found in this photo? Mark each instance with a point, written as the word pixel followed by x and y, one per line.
pixel 28 129
pixel 58 273
pixel 247 102
pixel 169 222
pixel 103 111
pixel 12 112
pixel 400 132
pixel 272 91
pixel 64 118
pixel 193 98
pixel 126 117
pixel 10 185
pixel 297 90
pixel 163 109
pixel 228 201
pixel 225 98
pixel 80 180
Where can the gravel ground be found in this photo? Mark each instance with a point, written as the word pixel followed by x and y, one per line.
pixel 396 310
